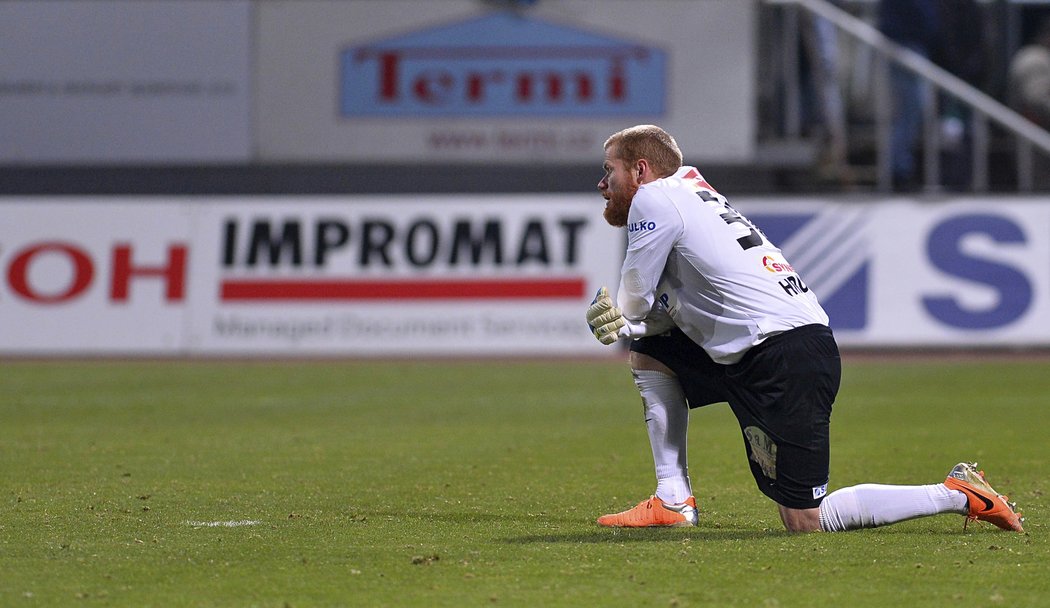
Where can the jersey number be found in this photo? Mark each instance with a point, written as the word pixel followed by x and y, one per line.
pixel 730 217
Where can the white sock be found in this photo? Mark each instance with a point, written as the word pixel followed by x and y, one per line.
pixel 667 420
pixel 870 505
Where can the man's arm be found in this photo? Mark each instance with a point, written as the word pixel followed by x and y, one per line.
pixel 608 324
pixel 654 226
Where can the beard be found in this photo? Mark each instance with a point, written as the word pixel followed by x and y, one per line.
pixel 619 205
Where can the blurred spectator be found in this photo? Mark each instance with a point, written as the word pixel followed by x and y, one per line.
pixel 820 41
pixel 1028 83
pixel 962 50
pixel 914 24
pixel 1028 92
pixel 951 34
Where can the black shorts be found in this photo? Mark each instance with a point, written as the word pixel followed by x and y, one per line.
pixel 781 393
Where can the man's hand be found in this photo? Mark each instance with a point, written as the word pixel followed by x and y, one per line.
pixel 604 318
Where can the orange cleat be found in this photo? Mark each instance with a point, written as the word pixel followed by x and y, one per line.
pixel 985 503
pixel 653 512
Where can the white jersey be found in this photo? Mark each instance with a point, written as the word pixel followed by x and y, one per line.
pixel 693 257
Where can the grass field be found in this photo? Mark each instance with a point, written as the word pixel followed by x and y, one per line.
pixel 477 483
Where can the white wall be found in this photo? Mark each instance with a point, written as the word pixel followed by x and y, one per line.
pixel 112 81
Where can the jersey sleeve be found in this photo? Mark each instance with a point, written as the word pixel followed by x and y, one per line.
pixel 653 227
pixel 655 323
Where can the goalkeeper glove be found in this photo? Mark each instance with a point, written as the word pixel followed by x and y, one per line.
pixel 604 318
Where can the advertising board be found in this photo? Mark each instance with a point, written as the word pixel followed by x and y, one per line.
pixel 456 81
pixel 110 81
pixel 102 276
pixel 367 276
pixel 958 272
pixel 478 275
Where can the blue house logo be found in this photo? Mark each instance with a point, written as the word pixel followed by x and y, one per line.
pixel 502 64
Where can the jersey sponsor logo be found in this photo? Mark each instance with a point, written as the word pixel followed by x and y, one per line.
pixel 665 299
pixel 830 249
pixel 642 226
pixel 502 64
pixel 772 265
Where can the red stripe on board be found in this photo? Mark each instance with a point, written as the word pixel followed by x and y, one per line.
pixel 446 289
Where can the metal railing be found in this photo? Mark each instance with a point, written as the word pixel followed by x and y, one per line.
pixel 1028 135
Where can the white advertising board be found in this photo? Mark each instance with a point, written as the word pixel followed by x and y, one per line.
pixel 477 275
pixel 960 272
pixel 464 275
pixel 94 276
pixel 365 276
pixel 465 81
pixel 104 81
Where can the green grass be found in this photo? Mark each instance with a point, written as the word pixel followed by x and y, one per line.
pixel 477 483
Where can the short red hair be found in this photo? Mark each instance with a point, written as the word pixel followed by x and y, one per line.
pixel 649 142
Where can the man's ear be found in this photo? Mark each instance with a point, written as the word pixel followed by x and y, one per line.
pixel 645 171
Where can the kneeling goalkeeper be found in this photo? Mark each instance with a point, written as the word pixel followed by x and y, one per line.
pixel 715 313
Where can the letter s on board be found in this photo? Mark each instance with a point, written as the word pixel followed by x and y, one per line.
pixel 944 251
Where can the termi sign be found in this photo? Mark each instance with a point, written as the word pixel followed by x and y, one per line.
pixel 502 64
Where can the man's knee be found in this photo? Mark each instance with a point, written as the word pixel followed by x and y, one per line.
pixel 641 361
pixel 800 520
